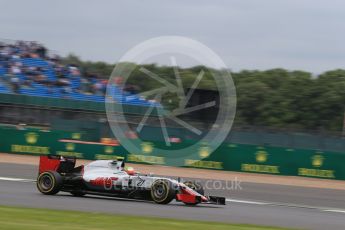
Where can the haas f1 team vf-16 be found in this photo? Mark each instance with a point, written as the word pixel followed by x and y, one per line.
pixel 109 178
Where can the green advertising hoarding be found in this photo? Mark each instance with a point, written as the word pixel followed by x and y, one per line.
pixel 229 156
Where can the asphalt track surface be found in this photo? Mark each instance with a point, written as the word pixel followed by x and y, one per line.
pixel 251 203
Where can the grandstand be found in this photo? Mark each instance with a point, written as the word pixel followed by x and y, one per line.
pixel 26 69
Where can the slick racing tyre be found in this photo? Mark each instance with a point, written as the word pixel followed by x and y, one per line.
pixel 162 192
pixel 49 182
pixel 195 186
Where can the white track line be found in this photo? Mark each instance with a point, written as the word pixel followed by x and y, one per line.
pixel 227 199
pixel 16 179
pixel 334 210
pixel 323 209
pixel 246 202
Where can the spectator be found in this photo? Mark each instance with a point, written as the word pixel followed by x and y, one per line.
pixel 97 88
pixel 14 69
pixel 15 83
pixel 40 78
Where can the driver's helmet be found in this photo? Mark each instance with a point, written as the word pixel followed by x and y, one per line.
pixel 130 171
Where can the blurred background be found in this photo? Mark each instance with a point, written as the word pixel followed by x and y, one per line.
pixel 40 88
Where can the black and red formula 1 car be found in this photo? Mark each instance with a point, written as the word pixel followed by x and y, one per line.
pixel 109 178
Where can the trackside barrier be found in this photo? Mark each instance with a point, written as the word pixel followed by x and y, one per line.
pixel 229 156
pixel 63 103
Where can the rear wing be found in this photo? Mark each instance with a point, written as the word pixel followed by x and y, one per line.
pixel 56 163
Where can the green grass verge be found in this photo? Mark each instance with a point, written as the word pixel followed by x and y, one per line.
pixel 12 218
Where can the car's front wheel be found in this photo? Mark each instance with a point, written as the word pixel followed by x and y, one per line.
pixel 162 192
pixel 49 182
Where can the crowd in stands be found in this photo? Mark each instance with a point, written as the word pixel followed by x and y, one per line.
pixel 19 69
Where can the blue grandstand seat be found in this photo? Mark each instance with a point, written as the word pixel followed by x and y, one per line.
pixel 37 89
pixel 2 71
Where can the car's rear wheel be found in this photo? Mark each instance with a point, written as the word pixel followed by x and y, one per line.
pixel 162 192
pixel 49 182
